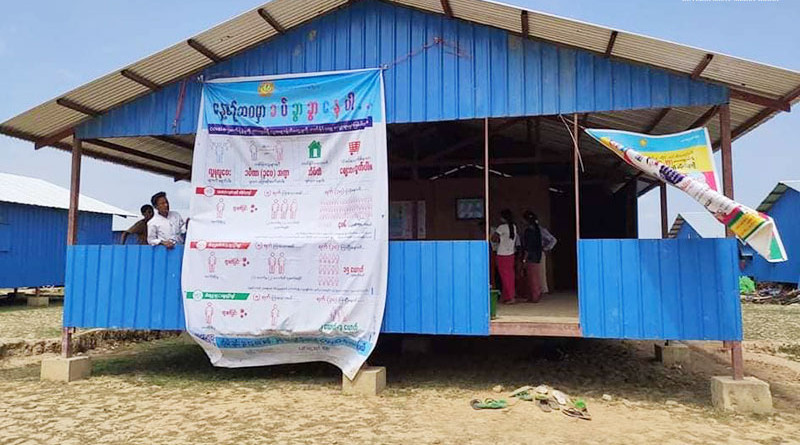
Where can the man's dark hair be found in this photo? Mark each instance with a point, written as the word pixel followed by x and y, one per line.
pixel 145 208
pixel 155 197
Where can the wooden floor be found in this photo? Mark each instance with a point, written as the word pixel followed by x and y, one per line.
pixel 556 315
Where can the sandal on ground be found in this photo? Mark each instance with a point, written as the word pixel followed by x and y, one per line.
pixel 488 404
pixel 576 413
pixel 543 405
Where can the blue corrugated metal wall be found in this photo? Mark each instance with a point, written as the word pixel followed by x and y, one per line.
pixel 477 72
pixel 33 243
pixel 436 287
pixel 687 232
pixel 659 289
pixel 786 212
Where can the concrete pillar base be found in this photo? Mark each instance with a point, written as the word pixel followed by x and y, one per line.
pixel 369 381
pixel 415 345
pixel 38 301
pixel 749 395
pixel 61 369
pixel 673 354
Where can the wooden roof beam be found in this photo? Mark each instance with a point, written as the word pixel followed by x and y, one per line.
pixel 128 74
pixel 74 106
pixel 741 129
pixel 53 138
pixel 197 46
pixel 525 24
pixel 657 120
pixel 703 120
pixel 137 153
pixel 93 154
pixel 611 41
pixel 448 11
pixel 175 141
pixel 698 70
pixel 774 104
pixel 271 20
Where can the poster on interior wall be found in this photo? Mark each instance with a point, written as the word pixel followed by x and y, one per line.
pixel 689 152
pixel 401 220
pixel 752 227
pixel 287 251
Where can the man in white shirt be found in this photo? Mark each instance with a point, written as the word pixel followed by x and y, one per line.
pixel 165 228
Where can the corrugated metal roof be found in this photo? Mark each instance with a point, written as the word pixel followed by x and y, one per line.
pixel 37 192
pixel 250 28
pixel 776 194
pixel 703 223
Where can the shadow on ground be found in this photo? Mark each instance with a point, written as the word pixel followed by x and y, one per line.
pixel 576 366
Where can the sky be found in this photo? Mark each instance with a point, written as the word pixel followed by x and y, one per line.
pixel 49 47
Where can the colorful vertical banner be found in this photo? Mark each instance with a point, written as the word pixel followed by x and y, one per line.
pixel 686 168
pixel 689 152
pixel 287 249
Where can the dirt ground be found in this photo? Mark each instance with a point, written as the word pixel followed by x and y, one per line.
pixel 166 392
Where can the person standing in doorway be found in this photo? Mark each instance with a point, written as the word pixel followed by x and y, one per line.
pixel 507 237
pixel 548 243
pixel 532 255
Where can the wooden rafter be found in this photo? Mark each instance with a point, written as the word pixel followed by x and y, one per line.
pixel 128 74
pixel 703 120
pixel 611 41
pixel 448 11
pixel 141 154
pixel 197 46
pixel 271 20
pixel 53 138
pixel 175 141
pixel 702 66
pixel 525 24
pixel 775 104
pixel 657 120
pixel 471 140
pixel 74 106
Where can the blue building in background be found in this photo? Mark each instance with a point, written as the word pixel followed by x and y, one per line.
pixel 783 205
pixel 33 230
pixel 694 225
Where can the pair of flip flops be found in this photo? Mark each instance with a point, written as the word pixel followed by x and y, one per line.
pixel 578 410
pixel 488 404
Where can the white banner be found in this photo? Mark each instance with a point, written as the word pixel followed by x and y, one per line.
pixel 287 249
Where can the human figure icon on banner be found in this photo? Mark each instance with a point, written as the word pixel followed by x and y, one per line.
pixel 274 314
pixel 278 152
pixel 276 207
pixel 281 264
pixel 220 208
pixel 209 312
pixel 293 209
pixel 284 209
pixel 253 151
pixel 219 148
pixel 212 262
pixel 272 263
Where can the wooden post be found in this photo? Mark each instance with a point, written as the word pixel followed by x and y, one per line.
pixel 737 360
pixel 72 228
pixel 575 155
pixel 664 222
pixel 486 177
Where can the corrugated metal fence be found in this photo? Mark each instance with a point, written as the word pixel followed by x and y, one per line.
pixel 683 289
pixel 435 287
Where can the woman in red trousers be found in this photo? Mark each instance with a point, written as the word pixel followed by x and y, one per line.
pixel 507 238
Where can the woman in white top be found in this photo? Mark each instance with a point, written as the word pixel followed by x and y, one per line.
pixel 507 238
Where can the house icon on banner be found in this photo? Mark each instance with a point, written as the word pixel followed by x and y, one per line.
pixel 314 150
